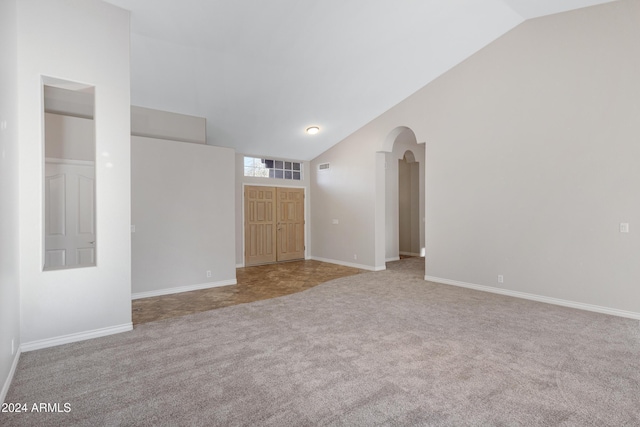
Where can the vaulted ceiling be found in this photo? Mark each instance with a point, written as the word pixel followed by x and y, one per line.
pixel 262 71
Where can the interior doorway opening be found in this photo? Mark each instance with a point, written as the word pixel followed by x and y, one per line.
pixel 400 197
pixel 409 205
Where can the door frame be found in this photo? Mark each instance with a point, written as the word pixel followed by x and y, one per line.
pixel 307 222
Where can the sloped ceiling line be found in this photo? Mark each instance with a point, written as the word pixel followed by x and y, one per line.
pixel 261 72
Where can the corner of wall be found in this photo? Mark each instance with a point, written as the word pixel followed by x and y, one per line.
pixel 9 197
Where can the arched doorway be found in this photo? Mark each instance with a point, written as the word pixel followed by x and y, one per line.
pixel 401 196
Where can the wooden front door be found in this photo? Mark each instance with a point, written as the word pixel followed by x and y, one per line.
pixel 274 224
pixel 260 225
pixel 290 223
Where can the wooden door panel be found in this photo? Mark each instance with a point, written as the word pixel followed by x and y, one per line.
pixel 290 224
pixel 260 225
pixel 291 241
pixel 261 240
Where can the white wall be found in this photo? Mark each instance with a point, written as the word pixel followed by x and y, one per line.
pixel 346 192
pixel 9 243
pixel 242 180
pixel 182 207
pixel 69 137
pixel 532 161
pixel 84 41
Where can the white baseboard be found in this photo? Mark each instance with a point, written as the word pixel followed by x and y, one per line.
pixel 395 258
pixel 12 371
pixel 411 254
pixel 539 298
pixel 349 264
pixel 241 265
pixel 179 289
pixel 80 336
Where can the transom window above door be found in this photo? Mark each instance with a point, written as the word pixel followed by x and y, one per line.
pixel 272 168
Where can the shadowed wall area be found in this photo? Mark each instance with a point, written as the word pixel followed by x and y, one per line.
pixel 384 347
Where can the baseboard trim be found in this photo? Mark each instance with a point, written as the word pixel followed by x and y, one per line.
pixel 9 380
pixel 539 298
pixel 349 264
pixel 180 289
pixel 395 258
pixel 80 336
pixel 411 254
pixel 240 265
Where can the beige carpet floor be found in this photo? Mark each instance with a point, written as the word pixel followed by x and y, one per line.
pixel 383 348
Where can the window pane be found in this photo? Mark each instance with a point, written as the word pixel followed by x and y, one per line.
pixel 270 168
pixel 259 166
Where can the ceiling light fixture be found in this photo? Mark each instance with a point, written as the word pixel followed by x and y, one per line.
pixel 312 130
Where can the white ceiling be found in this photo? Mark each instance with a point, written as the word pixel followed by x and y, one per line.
pixel 262 71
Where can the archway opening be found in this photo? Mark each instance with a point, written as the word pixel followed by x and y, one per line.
pixel 408 206
pixel 401 196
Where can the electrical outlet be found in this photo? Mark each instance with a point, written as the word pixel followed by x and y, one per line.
pixel 13 346
pixel 208 273
pixel 624 227
pixel 500 278
pixel 355 256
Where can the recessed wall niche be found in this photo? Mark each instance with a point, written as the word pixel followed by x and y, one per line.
pixel 69 185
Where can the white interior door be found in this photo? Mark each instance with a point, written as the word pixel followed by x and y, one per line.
pixel 70 232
